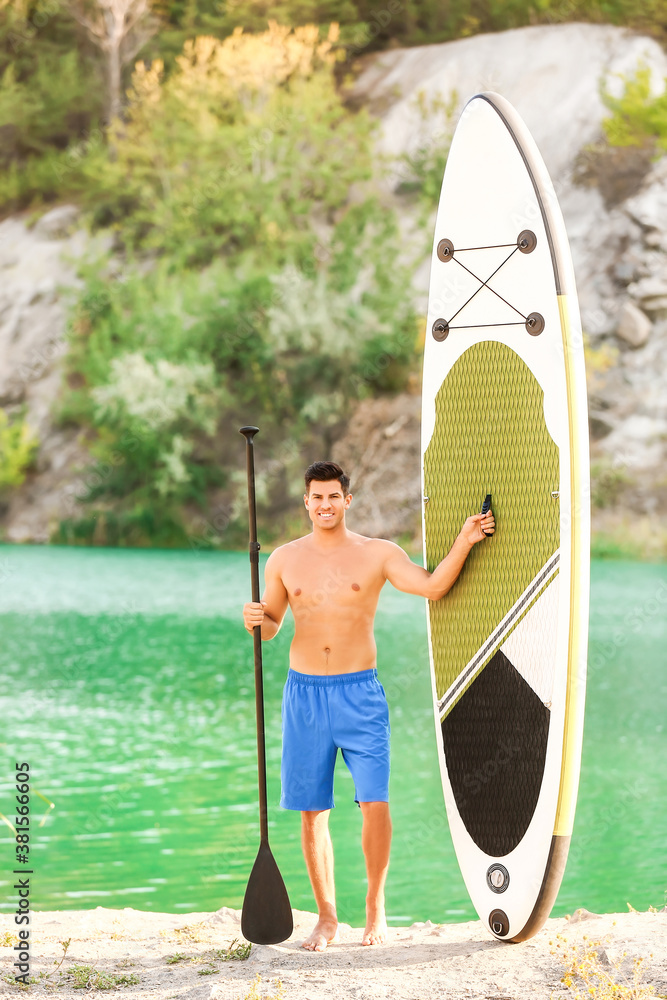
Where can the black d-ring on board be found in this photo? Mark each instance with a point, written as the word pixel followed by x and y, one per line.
pixel 440 329
pixel 499 923
pixel 445 251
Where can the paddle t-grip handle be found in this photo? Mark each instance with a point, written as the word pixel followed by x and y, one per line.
pixel 486 507
pixel 249 433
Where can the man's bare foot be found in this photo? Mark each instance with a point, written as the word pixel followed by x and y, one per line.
pixel 376 925
pixel 324 932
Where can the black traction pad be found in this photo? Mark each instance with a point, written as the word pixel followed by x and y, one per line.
pixel 495 743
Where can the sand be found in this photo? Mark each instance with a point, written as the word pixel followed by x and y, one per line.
pixel 422 962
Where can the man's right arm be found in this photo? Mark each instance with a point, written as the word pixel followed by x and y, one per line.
pixel 270 611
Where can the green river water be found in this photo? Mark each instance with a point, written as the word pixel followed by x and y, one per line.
pixel 127 684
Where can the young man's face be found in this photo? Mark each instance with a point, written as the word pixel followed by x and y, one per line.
pixel 326 503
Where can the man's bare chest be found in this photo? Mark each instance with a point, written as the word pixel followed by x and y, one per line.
pixel 332 581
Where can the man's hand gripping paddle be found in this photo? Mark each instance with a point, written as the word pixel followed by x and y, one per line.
pixel 266 917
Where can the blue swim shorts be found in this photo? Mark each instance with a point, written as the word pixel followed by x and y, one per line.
pixel 324 714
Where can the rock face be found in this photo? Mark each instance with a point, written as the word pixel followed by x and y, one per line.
pixel 380 453
pixel 634 326
pixel 615 208
pixel 38 267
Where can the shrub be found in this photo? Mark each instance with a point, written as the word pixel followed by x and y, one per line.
pixel 18 444
pixel 638 114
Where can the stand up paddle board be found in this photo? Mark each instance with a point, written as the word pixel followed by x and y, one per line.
pixel 505 417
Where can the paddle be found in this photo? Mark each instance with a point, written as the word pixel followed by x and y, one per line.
pixel 266 917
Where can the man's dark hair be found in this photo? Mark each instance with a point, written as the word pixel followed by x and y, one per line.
pixel 324 472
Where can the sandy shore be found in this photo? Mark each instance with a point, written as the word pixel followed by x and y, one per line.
pixel 422 962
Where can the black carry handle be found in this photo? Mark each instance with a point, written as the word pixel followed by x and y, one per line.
pixel 266 917
pixel 486 507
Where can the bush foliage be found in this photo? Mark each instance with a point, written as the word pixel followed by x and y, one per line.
pixel 638 114
pixel 256 274
pixel 18 444
pixel 261 279
pixel 45 128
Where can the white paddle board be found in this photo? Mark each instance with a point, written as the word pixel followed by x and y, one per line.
pixel 505 414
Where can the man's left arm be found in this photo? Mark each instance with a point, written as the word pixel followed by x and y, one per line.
pixel 403 574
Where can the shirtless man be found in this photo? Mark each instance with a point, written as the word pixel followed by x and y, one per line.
pixel 331 579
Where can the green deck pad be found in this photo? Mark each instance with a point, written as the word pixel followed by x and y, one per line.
pixel 490 436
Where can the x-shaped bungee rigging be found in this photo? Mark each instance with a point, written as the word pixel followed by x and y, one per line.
pixel 525 243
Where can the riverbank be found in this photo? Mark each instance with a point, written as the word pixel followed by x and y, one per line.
pixel 200 956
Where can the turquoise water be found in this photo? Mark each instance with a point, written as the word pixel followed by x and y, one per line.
pixel 128 686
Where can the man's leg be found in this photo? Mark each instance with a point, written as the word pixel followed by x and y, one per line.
pixel 318 852
pixel 376 842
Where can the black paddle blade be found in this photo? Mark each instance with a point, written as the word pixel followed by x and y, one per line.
pixel 266 917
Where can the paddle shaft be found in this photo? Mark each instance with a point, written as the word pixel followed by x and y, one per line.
pixel 249 433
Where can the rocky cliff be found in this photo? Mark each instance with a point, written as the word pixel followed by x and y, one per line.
pixel 38 264
pixel 615 208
